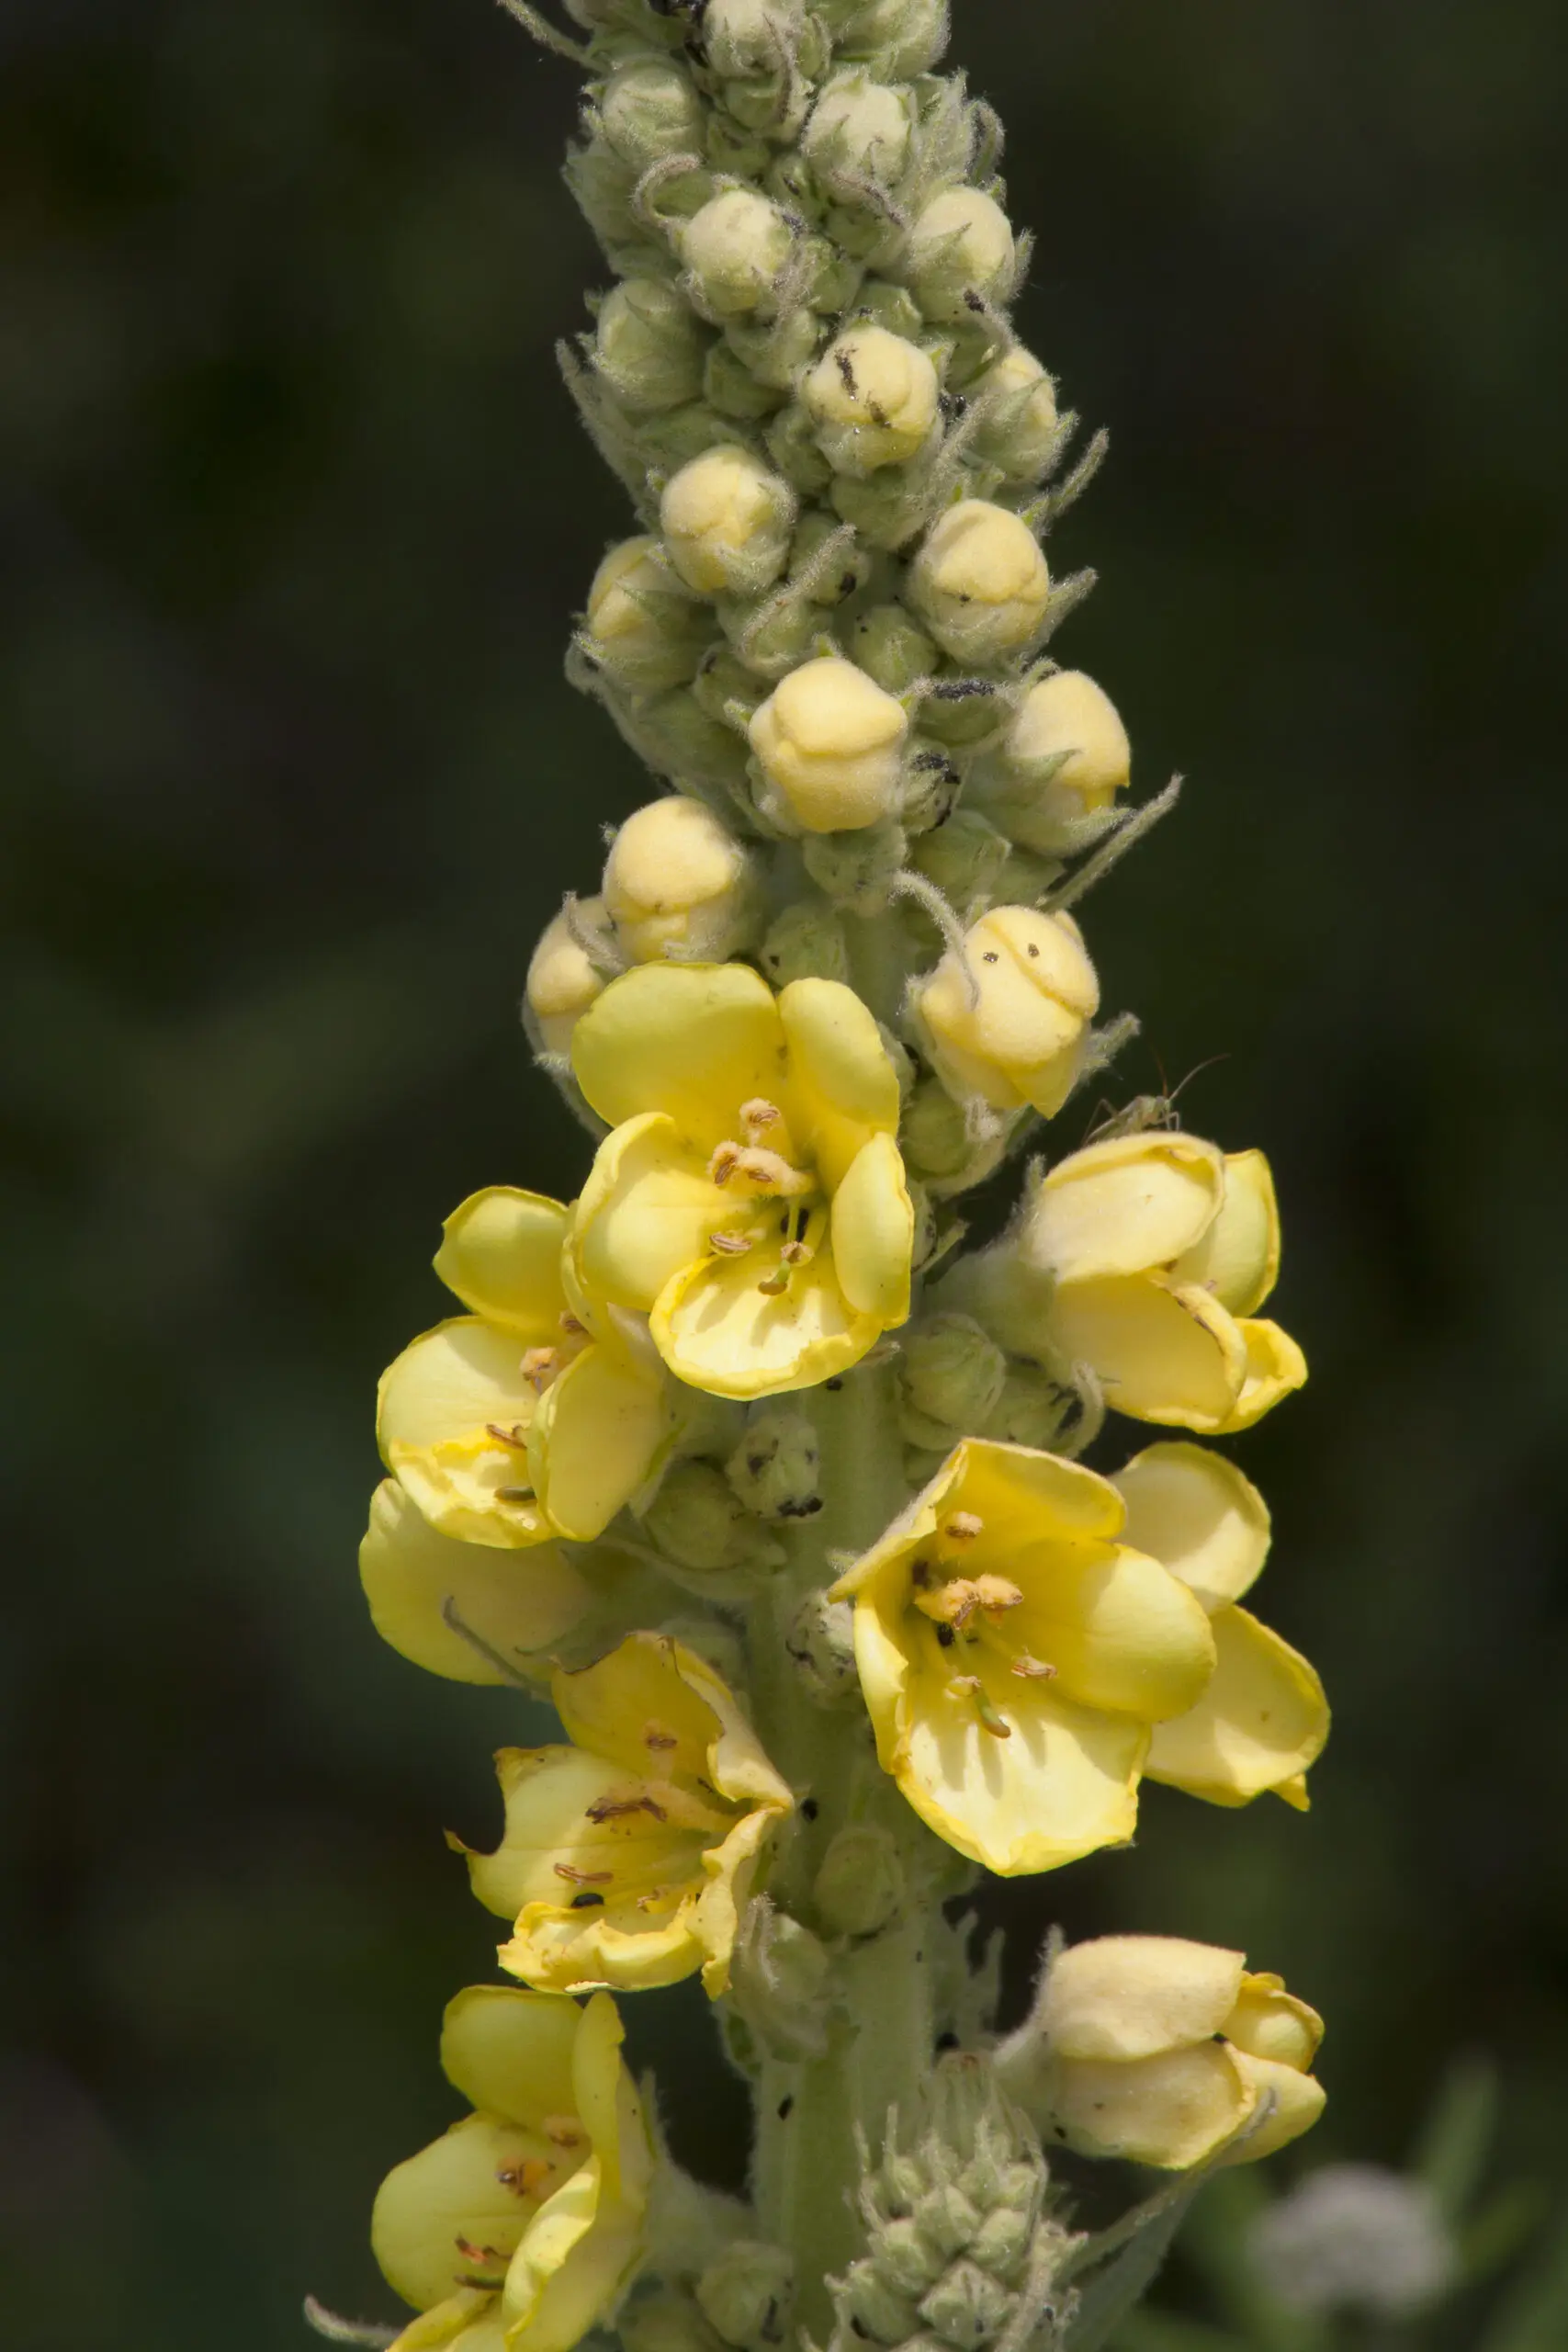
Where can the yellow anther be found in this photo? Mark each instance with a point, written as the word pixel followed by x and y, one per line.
pixel 729 1245
pixel 1031 1670
pixel 540 1366
pixel 758 1115
pixel 760 1169
pixel 996 1595
pixel 953 1603
pixel 571 1327
pixel 964 1527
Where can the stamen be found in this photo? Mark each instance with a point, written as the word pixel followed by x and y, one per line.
pixel 512 1436
pixel 1033 1669
pixel 618 1808
pixel 526 2177
pixel 797 1253
pixel 758 1115
pixel 774 1287
pixel 658 1735
pixel 763 1171
pixel 571 1326
pixel 997 1595
pixel 964 1527
pixel 574 1877
pixel 953 1603
pixel 540 1366
pixel 729 1245
pixel 969 1685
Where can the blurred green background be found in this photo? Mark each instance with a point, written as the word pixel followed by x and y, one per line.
pixel 296 512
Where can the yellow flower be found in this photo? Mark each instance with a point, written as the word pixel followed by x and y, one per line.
pixel 627 1859
pixel 417 1580
pixel 1015 1655
pixel 1009 1019
pixel 517 2231
pixel 1162 2050
pixel 1147 1258
pixel 1262 1720
pixel 538 1413
pixel 752 1199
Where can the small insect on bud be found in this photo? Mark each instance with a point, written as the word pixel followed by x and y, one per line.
pixel 979 583
pixel 676 877
pixel 860 130
pixel 890 645
pixel 648 347
pixel 728 523
pixel 961 245
pixel 563 978
pixel 1065 757
pixel 1008 1019
pixel 651 109
pixel 875 399
pixel 642 625
pixel 733 248
pixel 1019 427
pixel 831 745
pixel 897 38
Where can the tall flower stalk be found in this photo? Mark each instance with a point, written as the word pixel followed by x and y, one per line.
pixel 740 1457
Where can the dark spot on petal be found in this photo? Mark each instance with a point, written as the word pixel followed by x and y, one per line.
pixel 586 1901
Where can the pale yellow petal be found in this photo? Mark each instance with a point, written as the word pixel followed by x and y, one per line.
pixel 500 1254
pixel 1123 1207
pixel 468 2321
pixel 647 1210
pixel 1131 1996
pixel 1172 2110
pixel 718 1331
pixel 586 2241
pixel 516 1602
pixel 1262 1720
pixel 1021 1497
pixel 512 2052
pixel 438 1411
pixel 1275 1366
pixel 552 1845
pixel 873 1233
pixel 1119 1629
pixel 446 2219
pixel 1298 2101
pixel 693 1040
pixel 1194 1510
pixel 1161 1355
pixel 1269 2022
pixel 599 1430
pixel 613 1705
pixel 633 1949
pixel 1239 1258
pixel 844 1088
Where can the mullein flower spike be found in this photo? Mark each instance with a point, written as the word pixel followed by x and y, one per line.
pixel 740 1456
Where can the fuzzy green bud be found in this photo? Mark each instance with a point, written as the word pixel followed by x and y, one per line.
pixel 1033 1408
pixel 871 2308
pixel 728 523
pixel 745 2293
pixel 930 786
pixel 672 437
pixel 780 1981
pixel 792 444
pixel 564 978
pixel 1064 757
pixel 951 1377
pixel 979 583
pixel 847 572
pixel 647 347
pixel 933 1134
pixel 1019 428
pixel 880 303
pixel 967 2307
pixel 680 740
pixel 650 110
pixel 666 2322
pixel 640 624
pixel 899 38
pixel 602 182
pixel 961 245
pixel 964 858
pixel 890 645
pixel 776 353
pixel 733 248
pixel 859 1888
pixel 729 385
pixel 821 1642
pixel 829 747
pixel 726 687
pixel 776 1468
pixel 875 400
pixel 698 1520
pixel 806 942
pixel 855 869
pixel 677 880
pixel 963 711
pixel 860 130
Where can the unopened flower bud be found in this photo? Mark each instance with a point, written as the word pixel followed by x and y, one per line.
pixel 602 182
pixel 1064 757
pixel 779 1982
pixel 875 400
pixel 563 978
pixel 775 353
pixel 1008 1020
pixel 731 387
pixel 821 1642
pixel 680 740
pixel 1019 426
pixel 964 858
pixel 979 583
pixel 847 569
pixel 735 246
pixel 666 2322
pixel 890 645
pixel 742 38
pixel 726 687
pixel 950 1376
pixel 933 1134
pixel 860 129
pixel 745 2293
pixel 651 109
pixel 698 1520
pixel 727 521
pixel 872 2309
pixel 855 869
pixel 906 2258
pixel 648 347
pixel 962 243
pixel 792 446
pixel 642 625
pixel 806 942
pixel 671 437
pixel 831 746
pixel 1033 1408
pixel 899 38
pixel 967 2307
pixel 931 788
pixel 859 1887
pixel 676 877
pixel 879 303
pixel 776 1467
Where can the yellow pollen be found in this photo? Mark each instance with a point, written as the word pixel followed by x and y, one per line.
pixel 997 1595
pixel 571 1326
pixel 729 1245
pixel 540 1366
pixel 758 1115
pixel 1033 1669
pixel 513 1436
pixel 964 1527
pixel 563 2131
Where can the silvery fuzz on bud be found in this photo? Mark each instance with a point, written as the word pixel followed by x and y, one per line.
pixel 729 386
pixel 697 1520
pixel 855 869
pixel 897 38
pixel 678 739
pixel 1009 1019
pixel 775 353
pixel 830 744
pixel 727 522
pixel 563 978
pixel 859 1888
pixel 860 130
pixel 875 400
pixel 950 1377
pixel 843 571
pixel 647 347
pixel 677 880
pixel 743 39
pixel 1064 757
pixel 1019 428
pixel 806 942
pixel 890 645
pixel 979 583
pixel 962 243
pixel 745 2294
pixel 822 1643
pixel 776 1468
pixel 650 110
pixel 733 248
pixel 792 442
pixel 640 624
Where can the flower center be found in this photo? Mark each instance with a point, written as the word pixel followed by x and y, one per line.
pixel 970 1611
pixel 760 1173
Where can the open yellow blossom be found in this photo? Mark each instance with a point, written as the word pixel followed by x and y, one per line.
pixel 1147 1258
pixel 518 2230
pixel 627 1858
pixel 752 1199
pixel 1262 1719
pixel 1162 2050
pixel 445 1605
pixel 1016 1652
pixel 540 1413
